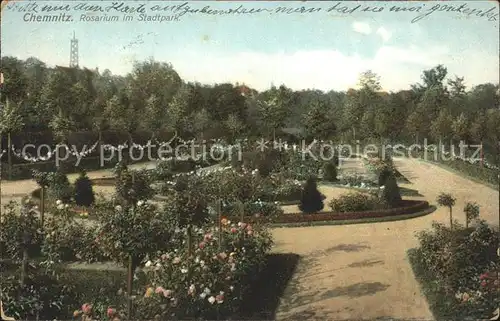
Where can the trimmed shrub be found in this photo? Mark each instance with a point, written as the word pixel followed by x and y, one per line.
pixel 59 187
pixel 330 172
pixel 84 193
pixel 391 194
pixel 312 199
pixel 354 202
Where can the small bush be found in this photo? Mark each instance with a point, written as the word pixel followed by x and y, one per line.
pixel 330 172
pixel 15 226
pixel 42 297
pixel 312 199
pixel 267 209
pixel 132 186
pixel 354 202
pixel 59 187
pixel 391 194
pixel 84 193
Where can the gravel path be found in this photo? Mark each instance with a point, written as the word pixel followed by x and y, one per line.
pixel 361 271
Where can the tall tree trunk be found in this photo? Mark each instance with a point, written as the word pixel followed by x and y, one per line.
pixel 482 154
pixel 1 154
pixel 9 155
pixel 451 219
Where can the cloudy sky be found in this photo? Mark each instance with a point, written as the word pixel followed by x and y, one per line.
pixel 323 50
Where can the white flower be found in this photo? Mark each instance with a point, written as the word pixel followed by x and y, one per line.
pixel 60 206
pixel 192 288
pixel 231 288
pixel 140 203
pixel 148 263
pixel 184 271
pixel 211 300
pixel 202 263
pixel 66 205
pixel 207 291
pixel 118 208
pixel 197 259
pixel 203 295
pixel 58 202
pixel 158 264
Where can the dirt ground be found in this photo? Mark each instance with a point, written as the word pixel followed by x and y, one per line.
pixel 361 271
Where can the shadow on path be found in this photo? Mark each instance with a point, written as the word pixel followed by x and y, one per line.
pixel 264 297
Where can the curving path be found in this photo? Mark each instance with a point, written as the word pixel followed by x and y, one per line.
pixel 361 271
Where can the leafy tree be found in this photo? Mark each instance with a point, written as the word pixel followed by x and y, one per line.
pixel 10 122
pixel 447 200
pixel 273 111
pixel 461 128
pixel 369 80
pixel 312 200
pixel 471 210
pixel 319 122
pixel 441 127
pixel 330 172
pixel 234 126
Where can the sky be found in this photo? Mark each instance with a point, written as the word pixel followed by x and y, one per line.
pixel 319 50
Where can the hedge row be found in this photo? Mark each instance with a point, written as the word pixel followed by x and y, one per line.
pixel 407 207
pixel 482 173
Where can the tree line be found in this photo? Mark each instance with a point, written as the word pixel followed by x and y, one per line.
pixel 154 98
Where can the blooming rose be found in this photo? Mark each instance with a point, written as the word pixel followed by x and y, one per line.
pixel 211 300
pixel 86 308
pixel 110 312
pixel 149 292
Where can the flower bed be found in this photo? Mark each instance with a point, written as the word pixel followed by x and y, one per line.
pixel 407 207
pixel 458 271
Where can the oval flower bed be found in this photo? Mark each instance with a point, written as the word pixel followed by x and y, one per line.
pixel 407 207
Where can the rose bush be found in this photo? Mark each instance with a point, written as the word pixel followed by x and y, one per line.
pixel 459 269
pixel 210 283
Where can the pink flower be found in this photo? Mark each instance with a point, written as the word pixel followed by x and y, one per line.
pixel 242 225
pixel 165 257
pixel 176 260
pixel 483 276
pixel 208 237
pixel 159 290
pixel 87 308
pixel 110 312
pixel 167 293
pixel 223 255
pixel 465 297
pixel 249 227
pixel 219 298
pixel 250 232
pixel 234 230
pixel 484 283
pixel 201 245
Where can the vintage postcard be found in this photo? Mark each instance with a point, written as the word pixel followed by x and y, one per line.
pixel 249 160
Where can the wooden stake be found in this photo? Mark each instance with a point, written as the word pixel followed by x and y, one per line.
pixel 219 217
pixel 42 205
pixel 189 240
pixel 242 211
pixel 129 288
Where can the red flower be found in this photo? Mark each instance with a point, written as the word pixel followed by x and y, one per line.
pixel 87 308
pixel 484 283
pixel 483 276
pixel 234 230
pixel 201 245
pixel 110 312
